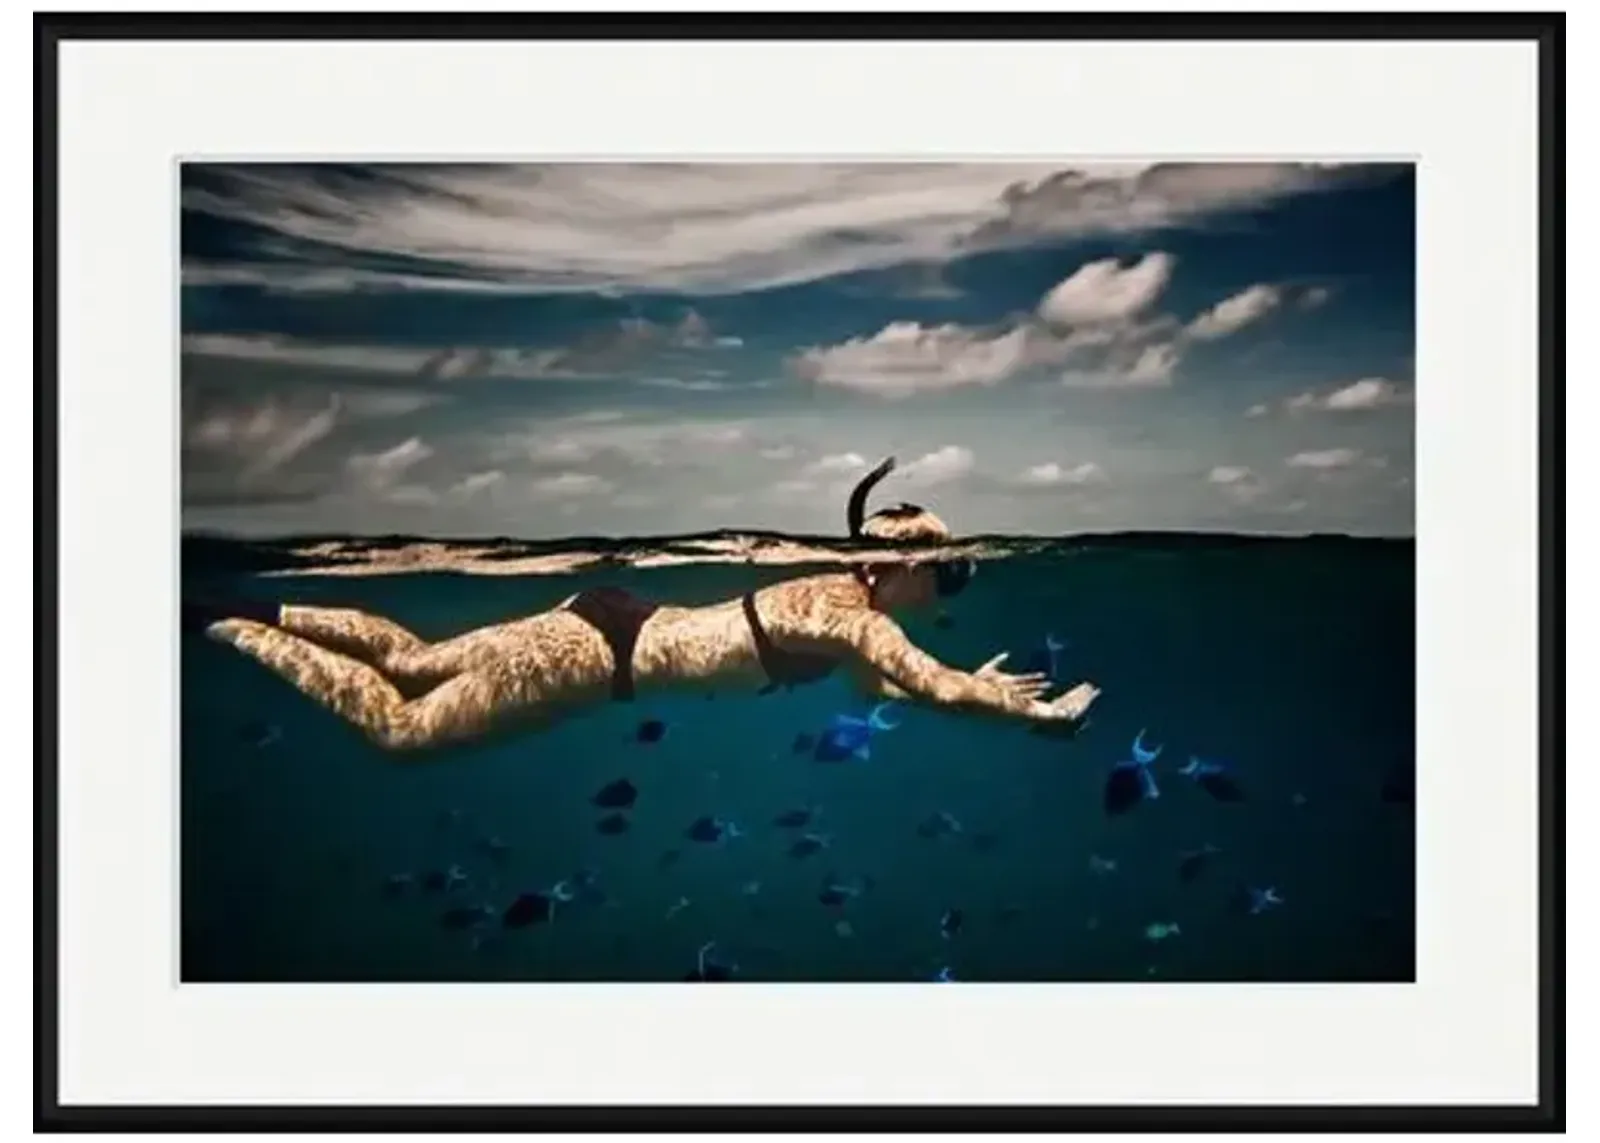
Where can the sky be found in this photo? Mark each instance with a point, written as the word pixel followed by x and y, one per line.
pixel 573 349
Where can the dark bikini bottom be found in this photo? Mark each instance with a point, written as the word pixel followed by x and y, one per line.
pixel 618 615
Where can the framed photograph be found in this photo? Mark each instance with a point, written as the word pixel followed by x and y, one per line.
pixel 973 531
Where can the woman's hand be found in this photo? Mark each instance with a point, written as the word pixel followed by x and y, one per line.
pixel 1021 690
pixel 1064 714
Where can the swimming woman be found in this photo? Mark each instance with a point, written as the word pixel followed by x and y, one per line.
pixel 406 694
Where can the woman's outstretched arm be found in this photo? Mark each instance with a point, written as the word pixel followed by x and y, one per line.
pixel 907 671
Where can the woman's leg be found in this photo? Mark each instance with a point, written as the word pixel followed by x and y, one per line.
pixel 465 707
pixel 401 655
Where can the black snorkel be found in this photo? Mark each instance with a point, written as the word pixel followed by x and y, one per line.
pixel 856 510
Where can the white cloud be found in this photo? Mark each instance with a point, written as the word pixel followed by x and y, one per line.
pixel 941 466
pixel 1367 393
pixel 568 484
pixel 262 438
pixel 1237 482
pixel 1314 297
pixel 837 464
pixel 1051 473
pixel 1257 411
pixel 1324 459
pixel 778 452
pixel 413 495
pixel 1153 366
pixel 905 358
pixel 1107 292
pixel 1359 396
pixel 1130 367
pixel 1232 314
pixel 382 471
pixel 691 227
pixel 477 482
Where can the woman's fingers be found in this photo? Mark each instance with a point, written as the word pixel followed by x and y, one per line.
pixel 993 663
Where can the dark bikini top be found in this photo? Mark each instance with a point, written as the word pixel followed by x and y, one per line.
pixel 784 668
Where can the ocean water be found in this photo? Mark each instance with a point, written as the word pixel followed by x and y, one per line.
pixel 1291 660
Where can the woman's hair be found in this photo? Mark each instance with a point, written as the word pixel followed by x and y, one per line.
pixel 902 523
pixel 906 524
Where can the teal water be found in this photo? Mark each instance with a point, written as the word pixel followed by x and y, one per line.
pixel 1291 660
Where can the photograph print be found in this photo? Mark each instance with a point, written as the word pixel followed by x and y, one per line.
pixel 798 572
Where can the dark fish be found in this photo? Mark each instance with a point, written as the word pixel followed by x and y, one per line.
pixel 1193 863
pixel 651 730
pixel 708 830
pixel 950 923
pixel 794 818
pixel 528 909
pixel 836 893
pixel 805 743
pixel 808 844
pixel 434 881
pixel 612 824
pixel 618 795
pixel 938 824
pixel 1123 790
pixel 1221 786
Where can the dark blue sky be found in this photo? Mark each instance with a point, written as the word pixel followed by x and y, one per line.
pixel 658 348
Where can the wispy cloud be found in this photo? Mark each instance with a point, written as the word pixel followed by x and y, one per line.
pixel 1322 459
pixel 612 348
pixel 1359 396
pixel 706 228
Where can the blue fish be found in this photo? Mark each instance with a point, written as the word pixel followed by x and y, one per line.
pixel 1258 901
pixel 850 737
pixel 944 976
pixel 1131 781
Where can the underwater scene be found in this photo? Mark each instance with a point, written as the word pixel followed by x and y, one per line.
pixel 1238 806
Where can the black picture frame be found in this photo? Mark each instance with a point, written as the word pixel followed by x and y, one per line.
pixel 1547 30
